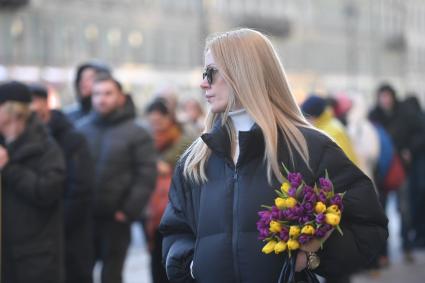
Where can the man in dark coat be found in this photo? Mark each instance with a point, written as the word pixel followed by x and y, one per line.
pixel 78 188
pixel 33 171
pixel 125 164
pixel 86 74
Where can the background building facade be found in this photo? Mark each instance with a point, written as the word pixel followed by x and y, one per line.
pixel 324 44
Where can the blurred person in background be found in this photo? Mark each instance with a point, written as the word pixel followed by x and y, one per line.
pixel 33 173
pixel 317 111
pixel 407 131
pixel 340 105
pixel 125 172
pixel 416 178
pixel 353 111
pixel 170 142
pixel 84 79
pixel 78 218
pixel 169 94
pixel 194 116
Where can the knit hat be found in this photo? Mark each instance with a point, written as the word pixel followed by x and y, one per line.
pixel 313 106
pixel 39 91
pixel 14 91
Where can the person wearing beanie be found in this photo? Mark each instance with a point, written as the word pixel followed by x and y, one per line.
pixel 78 221
pixel 321 116
pixel 32 174
pixel 85 76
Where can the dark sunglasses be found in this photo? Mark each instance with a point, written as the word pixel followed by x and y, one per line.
pixel 209 73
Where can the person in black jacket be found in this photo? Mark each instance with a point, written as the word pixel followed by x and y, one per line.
pixel 32 171
pixel 220 183
pixel 84 79
pixel 78 218
pixel 407 131
pixel 125 172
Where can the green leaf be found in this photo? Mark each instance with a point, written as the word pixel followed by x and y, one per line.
pixel 339 230
pixel 316 189
pixel 266 206
pixel 326 174
pixel 286 169
pixel 299 190
pixel 281 194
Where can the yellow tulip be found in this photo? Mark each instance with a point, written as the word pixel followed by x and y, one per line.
pixel 269 247
pixel 293 245
pixel 333 209
pixel 308 230
pixel 320 207
pixel 280 203
pixel 275 226
pixel 285 187
pixel 280 247
pixel 290 202
pixel 294 231
pixel 332 219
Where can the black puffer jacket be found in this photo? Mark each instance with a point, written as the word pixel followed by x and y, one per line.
pixel 125 162
pixel 32 188
pixel 214 224
pixel 78 197
pixel 78 185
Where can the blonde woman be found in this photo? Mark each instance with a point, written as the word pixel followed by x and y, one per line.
pixel 220 183
pixel 32 171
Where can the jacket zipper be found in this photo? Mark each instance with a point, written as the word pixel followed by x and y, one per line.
pixel 235 233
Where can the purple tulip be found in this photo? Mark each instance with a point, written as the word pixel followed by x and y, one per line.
pixel 322 197
pixel 299 209
pixel 320 218
pixel 289 214
pixel 295 179
pixel 304 219
pixel 284 234
pixel 292 192
pixel 264 233
pixel 325 184
pixel 304 239
pixel 319 233
pixel 337 200
pixel 308 207
pixel 309 196
pixel 275 213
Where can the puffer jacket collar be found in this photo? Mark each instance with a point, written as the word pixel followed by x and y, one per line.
pixel 251 143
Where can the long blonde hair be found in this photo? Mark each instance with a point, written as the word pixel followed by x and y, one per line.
pixel 249 64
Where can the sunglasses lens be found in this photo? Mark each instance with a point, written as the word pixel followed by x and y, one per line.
pixel 209 73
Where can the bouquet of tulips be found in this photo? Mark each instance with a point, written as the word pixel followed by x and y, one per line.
pixel 300 213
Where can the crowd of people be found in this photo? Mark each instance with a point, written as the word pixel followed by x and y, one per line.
pixel 74 180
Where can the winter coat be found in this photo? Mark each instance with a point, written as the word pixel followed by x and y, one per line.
pixel 32 188
pixel 364 137
pixel 405 127
pixel 334 128
pixel 214 223
pixel 78 197
pixel 78 185
pixel 125 162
